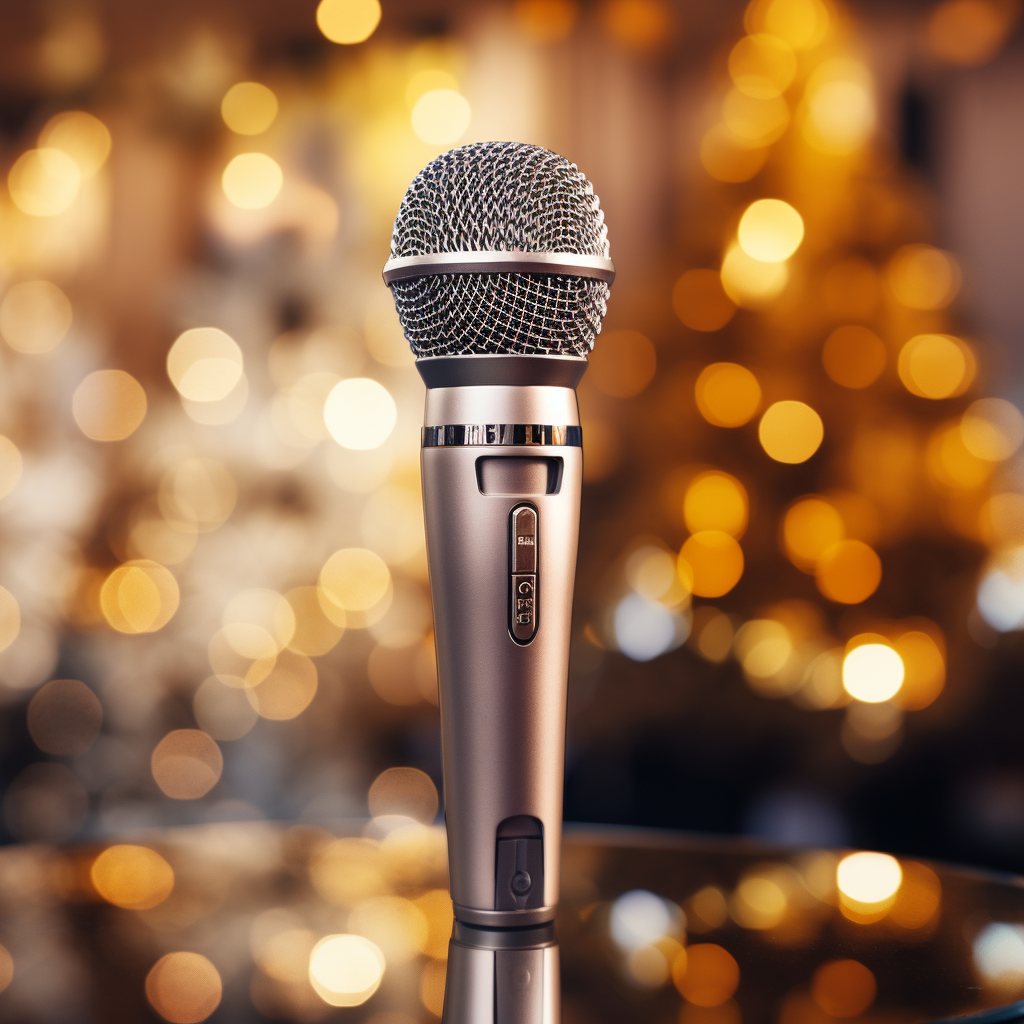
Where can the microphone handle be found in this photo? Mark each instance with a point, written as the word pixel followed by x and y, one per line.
pixel 502 470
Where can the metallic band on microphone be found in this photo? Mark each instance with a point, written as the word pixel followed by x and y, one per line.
pixel 471 435
pixel 401 268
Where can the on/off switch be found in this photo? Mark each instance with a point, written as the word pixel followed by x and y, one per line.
pixel 523 564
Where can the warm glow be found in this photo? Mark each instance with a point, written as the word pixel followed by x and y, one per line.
pixel 763 647
pixel 872 673
pixel 187 764
pixel 727 159
pixel 709 975
pixel 700 301
pixel 6 968
pixel 924 663
pixel 759 903
pixel 848 572
pixel 843 988
pixel 360 413
pixel 345 970
pixel 790 432
pixel 348 21
pixel 992 429
pixel 133 877
pixel 919 898
pixel 11 465
pixel 44 182
pixel 109 405
pixel 809 528
pixel 854 356
pixel 969 32
pixel 923 277
pixel 86 139
pixel 840 107
pixel 406 791
pixel 803 24
pixel 936 366
pixel 868 877
pixel 770 230
pixel 441 116
pixel 10 619
pixel 749 282
pixel 139 596
pixel 762 66
pixel 64 717
pixel 184 988
pixel 354 579
pixel 639 25
pixel 432 985
pixel 951 464
pixel 713 561
pixel 258 623
pixel 315 634
pixel 1001 520
pixel 204 364
pixel 252 180
pixel 716 501
pixel 754 122
pixel 851 289
pixel 545 21
pixel 223 711
pixel 35 316
pixel 287 690
pixel 622 363
pixel 249 108
pixel 727 394
pixel 198 494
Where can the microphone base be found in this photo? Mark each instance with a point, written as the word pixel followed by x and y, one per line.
pixel 502 976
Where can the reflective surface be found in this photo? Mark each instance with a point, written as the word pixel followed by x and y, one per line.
pixel 254 921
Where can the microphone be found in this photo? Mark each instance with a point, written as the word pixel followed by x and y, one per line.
pixel 500 273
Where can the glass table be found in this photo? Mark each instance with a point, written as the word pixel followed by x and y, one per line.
pixel 253 921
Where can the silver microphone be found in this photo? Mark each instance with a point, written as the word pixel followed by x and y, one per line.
pixel 500 273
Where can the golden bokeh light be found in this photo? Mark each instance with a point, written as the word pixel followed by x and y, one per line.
pixel 872 672
pixel 763 648
pixel 425 80
pixel 109 405
pixel 345 970
pixel 802 24
pixel 355 580
pixel 810 526
pixel 44 182
pixel 936 366
pixel 346 871
pixel 133 877
pixel 432 985
pixel 843 988
pixel 222 710
pixel 923 277
pixel 395 925
pixel 281 948
pixel 924 663
pixel 84 137
pixel 622 363
pixel 1001 521
pixel 700 301
pixel 436 907
pixel 868 877
pixel 851 289
pixel 441 116
pixel 258 623
pixel 854 356
pixel 752 121
pixel 360 413
pixel 252 181
pixel 651 572
pixel 234 669
pixel 758 903
pixel 405 791
pixel 762 65
pixel 11 465
pixel 710 563
pixel 10 619
pixel 992 429
pixel 919 898
pixel 727 394
pixel 967 33
pixel 35 316
pixel 64 717
pixel 204 364
pixel 839 114
pixel 249 108
pixel 184 988
pixel 770 230
pixel 752 283
pixel 708 976
pixel 200 493
pixel 287 690
pixel 153 537
pixel 712 634
pixel 790 432
pixel 348 21
pixel 951 464
pixel 139 596
pixel 848 572
pixel 545 21
pixel 716 501
pixel 727 159
pixel 639 25
pixel 186 764
pixel 315 634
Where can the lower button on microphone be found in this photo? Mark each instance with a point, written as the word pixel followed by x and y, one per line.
pixel 521 882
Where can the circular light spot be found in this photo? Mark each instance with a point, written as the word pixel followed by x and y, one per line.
pixel 346 871
pixel 353 579
pixel 345 970
pixel 992 429
pixel 770 230
pixel 872 673
pixel 204 364
pixel 803 24
pixel 848 572
pixel 184 988
pixel 109 405
pixel 709 977
pixel 639 25
pixel 198 493
pixel 920 896
pixel 392 923
pixel 139 596
pixel 716 501
pixel 843 988
pixel 133 877
pixel 968 32
pixel 10 619
pixel 441 116
pixel 10 466
pixel 85 138
pixel 258 623
pixel 35 316
pixel 923 277
pixel 840 108
pixel 315 634
pixel 249 108
pixel 727 394
pixel 622 363
pixel 223 711
pixel 762 66
pixel 348 21
pixel 763 647
pixel 252 181
pixel 924 664
pixel 936 366
pixel 727 159
pixel 809 528
pixel 640 918
pixel 854 356
pixel 752 121
pixel 700 301
pixel 64 717
pixel 752 283
pixel 44 182
pixel 644 629
pixel 790 432
pixel 287 690
pixel 545 21
pixel 758 903
pixel 360 413
pixel 187 764
pixel 951 464
pixel 651 572
pixel 405 791
pixel 869 877
pixel 713 560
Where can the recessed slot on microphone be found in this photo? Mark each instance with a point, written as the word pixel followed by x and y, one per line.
pixel 519 475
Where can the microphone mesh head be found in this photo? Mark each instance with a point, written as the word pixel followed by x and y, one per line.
pixel 502 196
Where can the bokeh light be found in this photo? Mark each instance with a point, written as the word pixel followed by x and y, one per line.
pixel 759 902
pixel 868 877
pixel 133 877
pixel 6 968
pixel 360 413
pixel 639 25
pixel 727 159
pixel 186 764
pixel 762 65
pixel 936 366
pixel 854 356
pixel 644 629
pixel 713 560
pixel 622 363
pixel 770 230
pixel 966 33
pixel 252 181
pixel 11 466
pixel 222 711
pixel 802 24
pixel 716 501
pixel 872 672
pixel 197 493
pixel 184 987
pixel 315 634
pixel 84 137
pixel 348 21
pixel 249 108
pixel 353 580
pixel 843 988
pixel 406 791
pixel 727 394
pixel 709 975
pixel 640 918
pixel 763 648
pixel 848 572
pixel 752 121
pixel 345 970
pixel 44 182
pixel 923 277
pixel 10 618
pixel 204 364
pixel 139 596
pixel 840 109
pixel 810 526
pixel 749 282
pixel 35 316
pixel 441 116
pixel 287 689
pixel 790 431
pixel 64 717
pixel 109 405
pixel 992 429
pixel 545 21
pixel 700 301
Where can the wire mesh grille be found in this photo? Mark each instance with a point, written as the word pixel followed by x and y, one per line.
pixel 502 196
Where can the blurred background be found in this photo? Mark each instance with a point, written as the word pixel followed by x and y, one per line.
pixel 801 575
